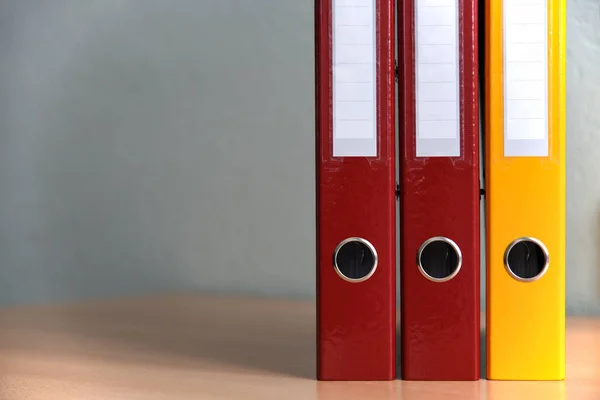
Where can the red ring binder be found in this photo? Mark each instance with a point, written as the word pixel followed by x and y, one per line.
pixel 356 185
pixel 439 168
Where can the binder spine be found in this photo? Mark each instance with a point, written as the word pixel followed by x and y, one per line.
pixel 356 185
pixel 439 202
pixel 525 124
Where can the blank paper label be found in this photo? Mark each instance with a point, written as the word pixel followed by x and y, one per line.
pixel 525 78
pixel 354 78
pixel 437 91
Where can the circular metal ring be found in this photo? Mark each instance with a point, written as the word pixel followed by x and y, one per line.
pixel 454 247
pixel 364 242
pixel 544 251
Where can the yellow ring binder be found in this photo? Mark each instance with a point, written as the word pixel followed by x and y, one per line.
pixel 525 185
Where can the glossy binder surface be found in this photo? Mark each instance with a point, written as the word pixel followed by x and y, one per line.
pixel 526 198
pixel 439 197
pixel 356 327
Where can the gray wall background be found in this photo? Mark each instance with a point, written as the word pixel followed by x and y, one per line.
pixel 152 145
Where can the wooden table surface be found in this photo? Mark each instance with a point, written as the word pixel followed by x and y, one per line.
pixel 200 347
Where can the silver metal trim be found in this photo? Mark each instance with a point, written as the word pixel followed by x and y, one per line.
pixel 458 256
pixel 369 246
pixel 544 250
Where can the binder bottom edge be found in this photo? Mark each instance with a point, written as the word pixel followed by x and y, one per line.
pixel 354 379
pixel 442 379
pixel 521 379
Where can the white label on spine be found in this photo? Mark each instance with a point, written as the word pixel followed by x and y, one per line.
pixel 437 91
pixel 525 78
pixel 354 78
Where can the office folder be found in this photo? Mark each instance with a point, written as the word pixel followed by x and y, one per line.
pixel 439 201
pixel 356 200
pixel 525 157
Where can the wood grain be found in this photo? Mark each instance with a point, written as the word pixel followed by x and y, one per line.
pixel 204 347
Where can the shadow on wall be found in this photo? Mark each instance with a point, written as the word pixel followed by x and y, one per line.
pixel 596 264
pixel 88 190
pixel 113 170
pixel 583 142
pixel 135 150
